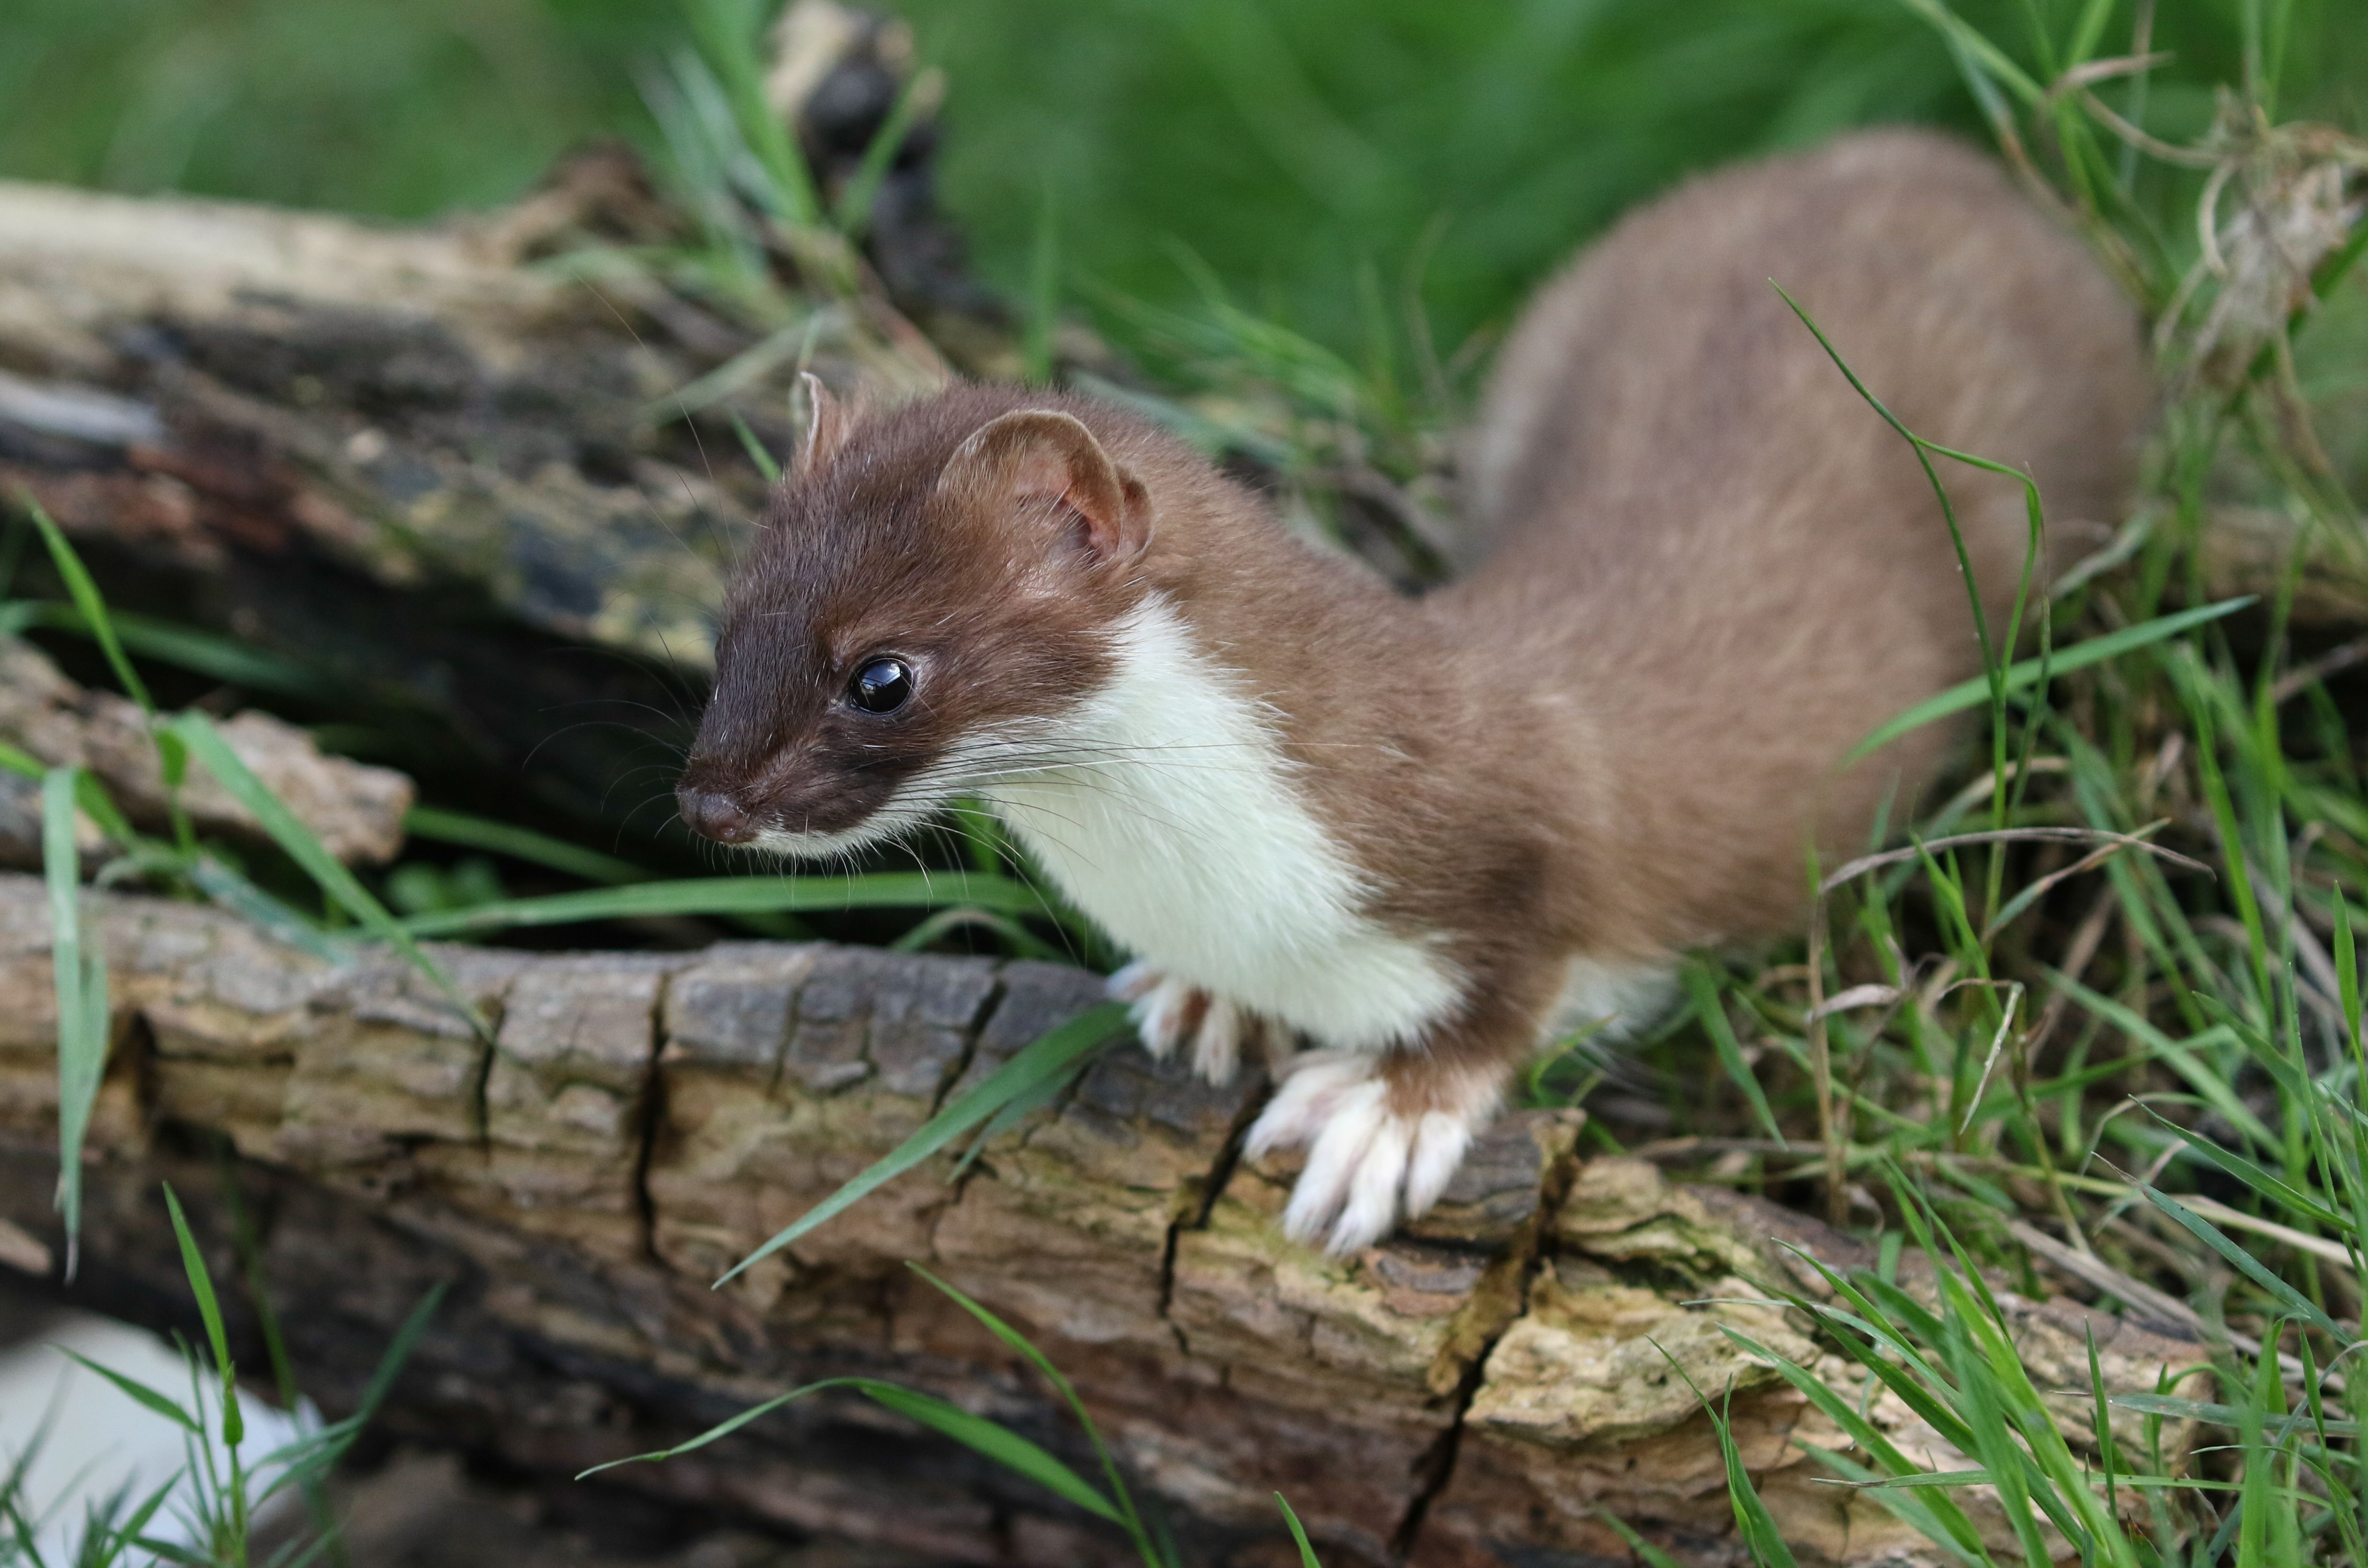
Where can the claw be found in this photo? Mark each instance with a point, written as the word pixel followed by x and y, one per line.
pixel 1131 980
pixel 1168 1011
pixel 1217 1048
pixel 1368 1163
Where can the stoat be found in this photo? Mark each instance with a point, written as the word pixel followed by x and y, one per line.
pixel 1427 835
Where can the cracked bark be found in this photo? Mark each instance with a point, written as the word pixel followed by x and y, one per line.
pixel 1478 1390
pixel 1522 1258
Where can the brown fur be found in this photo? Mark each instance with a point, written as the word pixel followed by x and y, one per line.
pixel 1709 571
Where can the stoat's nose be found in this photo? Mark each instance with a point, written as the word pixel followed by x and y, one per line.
pixel 713 815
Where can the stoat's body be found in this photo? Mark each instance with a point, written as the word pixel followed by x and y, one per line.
pixel 1428 835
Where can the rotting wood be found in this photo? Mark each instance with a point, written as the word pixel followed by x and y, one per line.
pixel 354 808
pixel 402 459
pixel 1478 1390
pixel 462 479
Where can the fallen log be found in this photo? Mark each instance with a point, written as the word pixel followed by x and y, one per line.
pixel 1482 1388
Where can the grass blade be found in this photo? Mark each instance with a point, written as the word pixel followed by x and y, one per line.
pixel 312 1456
pixel 2254 1176
pixel 1702 991
pixel 233 891
pixel 2286 1295
pixel 2102 1416
pixel 1043 319
pixel 736 895
pixel 765 462
pixel 1903 1499
pixel 90 795
pixel 1977 48
pixel 140 1392
pixel 248 1248
pixel 1307 1553
pixel 205 743
pixel 1052 1374
pixel 1062 1051
pixel 2025 672
pixel 725 1427
pixel 974 1432
pixel 87 600
pixel 116 1537
pixel 1939 1519
pixel 201 1286
pixel 79 977
pixel 855 200
pixel 1022 942
pixel 519 843
pixel 2188 1058
pixel 2255 1501
pixel 1003 1446
pixel 726 34
pixel 186 647
pixel 1752 1521
pixel 2347 983
pixel 1651 1556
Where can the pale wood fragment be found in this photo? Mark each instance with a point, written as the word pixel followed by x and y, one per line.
pixel 354 808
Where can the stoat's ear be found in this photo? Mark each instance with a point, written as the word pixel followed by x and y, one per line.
pixel 826 425
pixel 1035 457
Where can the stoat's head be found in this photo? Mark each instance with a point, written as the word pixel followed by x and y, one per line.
pixel 933 585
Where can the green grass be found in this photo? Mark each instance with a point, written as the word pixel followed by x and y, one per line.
pixel 222 1487
pixel 1288 144
pixel 397 109
pixel 2216 1055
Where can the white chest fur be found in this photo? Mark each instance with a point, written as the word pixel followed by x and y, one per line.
pixel 1165 811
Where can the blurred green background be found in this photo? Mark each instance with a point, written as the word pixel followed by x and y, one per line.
pixel 1306 150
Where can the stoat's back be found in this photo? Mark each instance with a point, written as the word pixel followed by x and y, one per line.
pixel 1686 513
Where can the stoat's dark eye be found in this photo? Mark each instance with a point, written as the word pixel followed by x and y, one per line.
pixel 882 687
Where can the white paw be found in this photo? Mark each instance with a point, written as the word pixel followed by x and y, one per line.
pixel 1368 1166
pixel 1168 1011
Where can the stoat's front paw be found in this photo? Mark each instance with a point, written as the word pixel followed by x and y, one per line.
pixel 1383 1139
pixel 1168 1012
